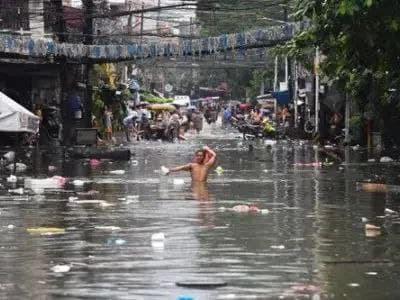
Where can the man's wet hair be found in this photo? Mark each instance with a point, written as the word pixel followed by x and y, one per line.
pixel 200 150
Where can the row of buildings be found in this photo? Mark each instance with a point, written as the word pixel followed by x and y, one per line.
pixel 35 81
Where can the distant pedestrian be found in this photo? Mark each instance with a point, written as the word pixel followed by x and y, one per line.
pixel 197 119
pixel 108 116
pixel 129 123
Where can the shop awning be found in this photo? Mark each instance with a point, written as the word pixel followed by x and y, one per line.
pixel 16 118
pixel 282 98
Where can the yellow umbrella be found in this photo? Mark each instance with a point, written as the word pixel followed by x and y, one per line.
pixel 166 106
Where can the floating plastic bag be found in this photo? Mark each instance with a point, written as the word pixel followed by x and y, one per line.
pixel 164 170
pixel 19 167
pixel 61 268
pixel 12 179
pixel 55 182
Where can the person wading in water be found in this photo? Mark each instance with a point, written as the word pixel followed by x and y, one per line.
pixel 203 160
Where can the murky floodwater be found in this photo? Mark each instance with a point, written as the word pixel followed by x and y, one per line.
pixel 311 244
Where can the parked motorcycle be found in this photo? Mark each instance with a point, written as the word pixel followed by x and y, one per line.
pixel 50 126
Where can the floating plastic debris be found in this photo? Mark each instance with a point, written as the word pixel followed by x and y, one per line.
pixel 390 211
pixel 45 230
pixel 19 191
pixel 386 159
pixel 18 167
pixel 312 164
pixel 372 230
pixel 52 168
pixel 178 181
pixel 158 237
pixel 364 220
pixel 270 142
pixel 94 162
pixel 105 204
pixel 306 289
pixel 135 163
pixel 371 227
pixel 78 182
pixel 89 193
pixel 117 172
pixel 9 156
pixel 244 208
pixel 185 297
pixel 219 170
pixel 371 273
pixel 61 268
pixel 226 297
pixel 111 228
pixel 120 242
pixel 11 226
pixel 55 182
pixel 164 170
pixel 132 198
pixel 278 247
pixel 116 241
pixel 353 284
pixel 12 179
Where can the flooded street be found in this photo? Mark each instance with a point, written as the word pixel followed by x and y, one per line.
pixel 311 244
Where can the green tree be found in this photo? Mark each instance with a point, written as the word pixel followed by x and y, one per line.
pixel 360 43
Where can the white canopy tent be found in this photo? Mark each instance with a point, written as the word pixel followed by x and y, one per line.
pixel 16 118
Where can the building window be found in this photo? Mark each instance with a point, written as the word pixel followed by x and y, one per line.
pixel 14 15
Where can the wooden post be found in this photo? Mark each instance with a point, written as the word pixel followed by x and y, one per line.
pixel 295 92
pixel 347 120
pixel 317 90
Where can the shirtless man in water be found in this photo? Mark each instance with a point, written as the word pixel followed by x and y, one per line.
pixel 204 159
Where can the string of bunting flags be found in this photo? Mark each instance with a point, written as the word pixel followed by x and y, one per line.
pixel 43 47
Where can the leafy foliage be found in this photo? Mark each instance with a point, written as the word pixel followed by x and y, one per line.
pixel 360 43
pixel 149 97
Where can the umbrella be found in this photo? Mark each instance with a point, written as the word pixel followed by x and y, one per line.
pixel 161 107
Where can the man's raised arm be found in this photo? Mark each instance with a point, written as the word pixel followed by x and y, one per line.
pixel 187 167
pixel 211 156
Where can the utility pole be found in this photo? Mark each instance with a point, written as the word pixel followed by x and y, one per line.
pixel 317 58
pixel 276 74
pixel 347 119
pixel 286 71
pixel 159 16
pixel 295 92
pixel 141 24
pixel 88 7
